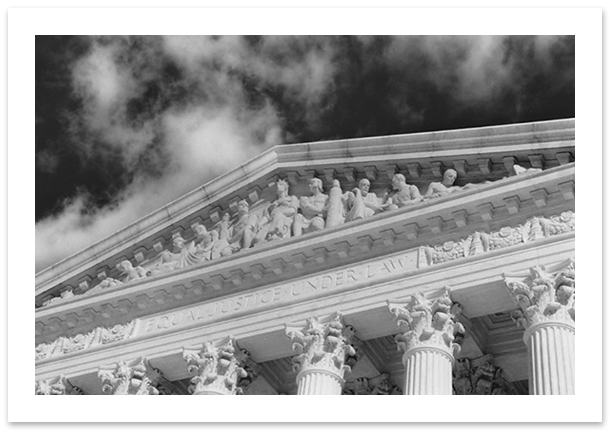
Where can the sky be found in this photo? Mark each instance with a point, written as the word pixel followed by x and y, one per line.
pixel 126 124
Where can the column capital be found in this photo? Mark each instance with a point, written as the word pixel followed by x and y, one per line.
pixel 544 296
pixel 56 386
pixel 322 345
pixel 428 322
pixel 217 366
pixel 135 377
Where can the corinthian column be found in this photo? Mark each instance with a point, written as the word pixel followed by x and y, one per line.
pixel 322 346
pixel 216 366
pixel 128 378
pixel 429 328
pixel 546 312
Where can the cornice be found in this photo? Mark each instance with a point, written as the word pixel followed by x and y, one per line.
pixel 462 149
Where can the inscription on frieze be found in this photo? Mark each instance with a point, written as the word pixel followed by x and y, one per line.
pixel 282 294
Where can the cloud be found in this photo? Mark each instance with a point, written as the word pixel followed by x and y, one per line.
pixel 160 115
pixel 177 147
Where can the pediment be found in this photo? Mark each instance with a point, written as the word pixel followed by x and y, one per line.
pixel 478 155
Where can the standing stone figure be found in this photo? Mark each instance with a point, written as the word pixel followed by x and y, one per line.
pixel 277 220
pixel 335 205
pixel 311 217
pixel 240 235
pixel 405 194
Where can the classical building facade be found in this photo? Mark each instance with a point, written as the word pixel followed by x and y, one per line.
pixel 430 263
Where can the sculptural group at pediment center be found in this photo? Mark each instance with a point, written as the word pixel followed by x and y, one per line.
pixel 284 217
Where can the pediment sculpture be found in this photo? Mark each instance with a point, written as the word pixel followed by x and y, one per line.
pixel 286 216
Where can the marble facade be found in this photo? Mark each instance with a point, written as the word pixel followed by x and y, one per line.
pixel 435 263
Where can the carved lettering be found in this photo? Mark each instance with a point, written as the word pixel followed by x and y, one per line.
pixel 150 325
pixel 324 283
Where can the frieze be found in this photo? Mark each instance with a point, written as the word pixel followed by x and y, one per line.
pixel 535 229
pixel 95 338
pixel 285 217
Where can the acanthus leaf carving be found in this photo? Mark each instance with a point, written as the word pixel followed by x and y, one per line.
pixel 543 296
pixel 428 322
pixel 217 367
pixel 323 344
pixel 128 378
pixel 56 386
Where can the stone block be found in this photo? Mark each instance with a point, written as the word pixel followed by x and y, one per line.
pixel 411 231
pixel 485 165
pixel 461 218
pixel 567 189
pixel 460 167
pixel 564 158
pixel 437 168
pixel 536 160
pixel 371 172
pixel 539 197
pixel 486 211
pixel 414 170
pixel 512 204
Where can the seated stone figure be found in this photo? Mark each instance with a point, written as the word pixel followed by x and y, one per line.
pixel 204 242
pixel 363 203
pixel 131 273
pixel 168 261
pixel 439 189
pixel 311 217
pixel 336 205
pixel 276 222
pixel 405 194
pixel 238 236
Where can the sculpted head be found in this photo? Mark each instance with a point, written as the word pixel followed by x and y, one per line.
pixel 449 177
pixel 315 184
pixel 282 186
pixel 364 185
pixel 243 207
pixel 336 183
pixel 200 230
pixel 178 242
pixel 126 265
pixel 397 180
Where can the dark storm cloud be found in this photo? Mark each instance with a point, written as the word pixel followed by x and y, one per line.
pixel 127 124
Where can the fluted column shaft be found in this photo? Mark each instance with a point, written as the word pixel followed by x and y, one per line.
pixel 546 300
pixel 428 341
pixel 428 371
pixel 551 358
pixel 318 382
